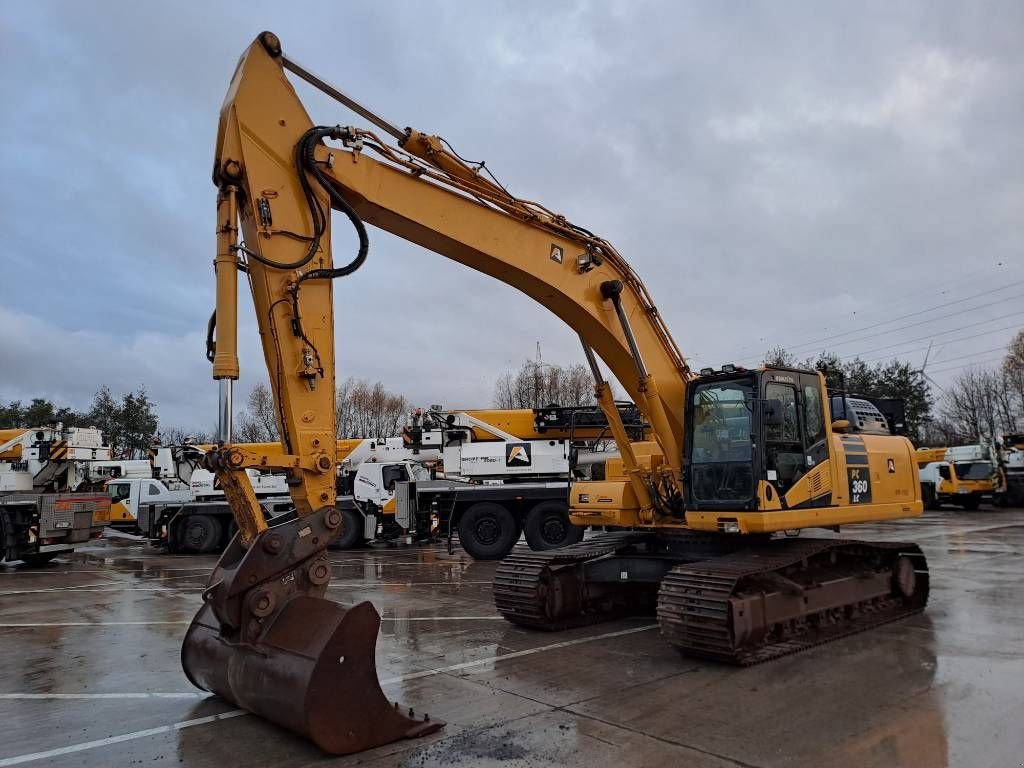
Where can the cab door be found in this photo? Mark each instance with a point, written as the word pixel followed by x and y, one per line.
pixel 784 457
pixel 815 434
pixel 795 441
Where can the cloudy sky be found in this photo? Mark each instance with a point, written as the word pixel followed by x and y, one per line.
pixel 848 176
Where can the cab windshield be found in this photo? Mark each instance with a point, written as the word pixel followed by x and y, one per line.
pixel 973 470
pixel 721 450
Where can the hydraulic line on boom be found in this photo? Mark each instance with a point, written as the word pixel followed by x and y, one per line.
pixel 695 510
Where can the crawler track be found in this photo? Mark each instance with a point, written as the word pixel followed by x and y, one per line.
pixel 544 590
pixel 726 608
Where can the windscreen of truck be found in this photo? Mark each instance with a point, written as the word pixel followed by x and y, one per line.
pixel 973 470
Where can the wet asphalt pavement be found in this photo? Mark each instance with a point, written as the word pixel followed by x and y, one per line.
pixel 90 672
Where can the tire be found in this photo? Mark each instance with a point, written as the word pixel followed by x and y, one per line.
pixel 548 527
pixel 37 561
pixel 971 504
pixel 351 531
pixel 199 534
pixel 488 531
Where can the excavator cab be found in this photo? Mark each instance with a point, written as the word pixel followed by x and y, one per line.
pixel 747 427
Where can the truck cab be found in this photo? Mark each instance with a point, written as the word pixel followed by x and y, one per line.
pixel 370 510
pixel 127 494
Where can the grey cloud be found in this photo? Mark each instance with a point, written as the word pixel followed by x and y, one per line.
pixel 775 172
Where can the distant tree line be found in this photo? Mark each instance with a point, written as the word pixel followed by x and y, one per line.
pixel 362 410
pixel 981 404
pixel 365 409
pixel 894 379
pixel 129 422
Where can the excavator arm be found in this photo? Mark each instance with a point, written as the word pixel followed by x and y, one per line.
pixel 275 172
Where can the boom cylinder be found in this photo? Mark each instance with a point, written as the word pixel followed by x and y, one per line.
pixel 225 358
pixel 606 400
pixel 612 290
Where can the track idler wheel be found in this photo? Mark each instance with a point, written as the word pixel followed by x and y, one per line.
pixel 275 647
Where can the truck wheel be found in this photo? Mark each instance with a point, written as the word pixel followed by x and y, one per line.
pixel 548 527
pixel 199 534
pixel 351 531
pixel 36 561
pixel 488 531
pixel 971 504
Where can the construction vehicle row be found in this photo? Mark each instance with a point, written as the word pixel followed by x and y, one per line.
pixel 699 508
pixel 495 484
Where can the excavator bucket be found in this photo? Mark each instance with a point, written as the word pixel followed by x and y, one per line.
pixel 300 661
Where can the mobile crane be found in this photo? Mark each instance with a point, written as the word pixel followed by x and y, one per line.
pixel 50 493
pixel 737 456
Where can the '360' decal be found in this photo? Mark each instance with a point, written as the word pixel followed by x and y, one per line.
pixel 860 485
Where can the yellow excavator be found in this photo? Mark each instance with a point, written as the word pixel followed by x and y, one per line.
pixel 702 520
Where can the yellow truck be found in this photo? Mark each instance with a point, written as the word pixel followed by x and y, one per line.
pixel 963 476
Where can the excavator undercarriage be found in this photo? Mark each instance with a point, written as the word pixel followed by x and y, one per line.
pixel 738 602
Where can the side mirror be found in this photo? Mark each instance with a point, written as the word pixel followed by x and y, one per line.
pixel 840 425
pixel 771 413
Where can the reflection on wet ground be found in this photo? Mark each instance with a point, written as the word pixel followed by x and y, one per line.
pixel 90 676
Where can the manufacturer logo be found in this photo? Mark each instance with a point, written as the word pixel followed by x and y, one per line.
pixel 557 254
pixel 517 455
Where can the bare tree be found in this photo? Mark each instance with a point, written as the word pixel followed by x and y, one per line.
pixel 536 385
pixel 366 410
pixel 1012 398
pixel 971 403
pixel 258 422
pixel 180 436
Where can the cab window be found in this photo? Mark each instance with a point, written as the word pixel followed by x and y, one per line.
pixel 119 492
pixel 814 416
pixel 392 474
pixel 789 430
pixel 944 472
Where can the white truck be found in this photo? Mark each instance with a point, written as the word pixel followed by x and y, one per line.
pixel 49 498
pixel 181 506
pixel 506 473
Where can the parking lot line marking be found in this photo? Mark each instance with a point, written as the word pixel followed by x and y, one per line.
pixel 154 695
pixel 357 584
pixel 111 570
pixel 71 749
pixel 17 625
pixel 33 756
pixel 11 625
pixel 108 587
pixel 112 586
